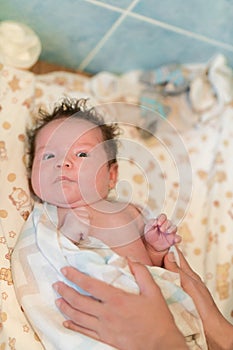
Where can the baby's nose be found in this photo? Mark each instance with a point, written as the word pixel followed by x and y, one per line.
pixel 64 164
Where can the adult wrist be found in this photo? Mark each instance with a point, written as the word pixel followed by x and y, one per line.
pixel 219 334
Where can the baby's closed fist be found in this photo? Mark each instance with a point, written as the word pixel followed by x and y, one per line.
pixel 161 233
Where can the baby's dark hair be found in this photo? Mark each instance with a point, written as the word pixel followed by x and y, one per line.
pixel 75 108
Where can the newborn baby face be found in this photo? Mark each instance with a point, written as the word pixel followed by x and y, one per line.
pixel 70 167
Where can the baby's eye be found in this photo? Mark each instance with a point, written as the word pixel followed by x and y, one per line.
pixel 47 156
pixel 82 154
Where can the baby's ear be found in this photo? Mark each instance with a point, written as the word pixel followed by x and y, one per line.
pixel 113 175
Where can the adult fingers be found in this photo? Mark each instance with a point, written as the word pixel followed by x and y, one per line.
pixel 78 301
pixel 98 289
pixel 185 267
pixel 171 264
pixel 190 281
pixel 75 327
pixel 144 279
pixel 78 317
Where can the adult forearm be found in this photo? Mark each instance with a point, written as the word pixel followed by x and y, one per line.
pixel 218 331
pixel 219 334
pixel 172 342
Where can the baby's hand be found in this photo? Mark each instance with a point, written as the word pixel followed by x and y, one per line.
pixel 160 233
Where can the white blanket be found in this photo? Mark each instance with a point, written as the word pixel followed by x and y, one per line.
pixel 42 251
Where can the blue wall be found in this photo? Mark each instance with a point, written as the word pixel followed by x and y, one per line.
pixel 121 35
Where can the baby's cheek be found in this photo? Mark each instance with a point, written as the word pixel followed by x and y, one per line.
pixel 36 187
pixel 37 180
pixel 34 180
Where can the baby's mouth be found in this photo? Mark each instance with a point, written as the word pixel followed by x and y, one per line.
pixel 63 178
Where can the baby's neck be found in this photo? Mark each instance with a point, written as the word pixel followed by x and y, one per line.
pixel 101 205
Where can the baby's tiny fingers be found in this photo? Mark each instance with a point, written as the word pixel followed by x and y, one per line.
pixel 171 229
pixel 172 239
pixel 161 219
pixel 165 226
pixel 177 239
pixel 151 224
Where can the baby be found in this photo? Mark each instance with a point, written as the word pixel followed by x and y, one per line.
pixel 74 166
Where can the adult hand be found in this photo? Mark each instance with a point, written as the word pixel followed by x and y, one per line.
pixel 124 320
pixel 218 331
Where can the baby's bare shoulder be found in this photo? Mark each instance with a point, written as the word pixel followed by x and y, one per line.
pixel 128 213
pixel 133 210
pixel 125 208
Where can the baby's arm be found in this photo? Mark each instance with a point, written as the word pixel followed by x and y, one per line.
pixel 159 235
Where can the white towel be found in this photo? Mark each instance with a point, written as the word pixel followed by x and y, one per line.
pixel 42 251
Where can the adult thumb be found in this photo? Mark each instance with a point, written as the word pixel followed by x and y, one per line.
pixel 143 278
pixel 170 262
pixel 188 277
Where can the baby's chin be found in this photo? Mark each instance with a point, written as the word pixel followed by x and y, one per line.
pixel 70 204
pixel 67 205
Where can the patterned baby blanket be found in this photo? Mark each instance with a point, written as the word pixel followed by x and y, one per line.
pixel 40 253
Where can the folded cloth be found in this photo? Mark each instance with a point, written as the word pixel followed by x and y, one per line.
pixel 20 47
pixel 167 80
pixel 212 88
pixel 42 251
